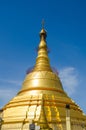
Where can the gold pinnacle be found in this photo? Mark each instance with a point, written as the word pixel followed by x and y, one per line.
pixel 43 23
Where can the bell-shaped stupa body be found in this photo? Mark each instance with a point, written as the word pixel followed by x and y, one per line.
pixel 42 100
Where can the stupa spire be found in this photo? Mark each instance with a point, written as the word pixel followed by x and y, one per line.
pixel 42 60
pixel 43 23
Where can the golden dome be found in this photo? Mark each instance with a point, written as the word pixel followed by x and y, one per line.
pixel 42 99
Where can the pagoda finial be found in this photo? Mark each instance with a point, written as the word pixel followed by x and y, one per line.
pixel 43 23
pixel 43 33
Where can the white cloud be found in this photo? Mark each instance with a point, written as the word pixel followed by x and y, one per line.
pixel 8 90
pixel 10 81
pixel 6 95
pixel 69 78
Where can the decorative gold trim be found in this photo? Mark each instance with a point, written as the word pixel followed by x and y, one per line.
pixel 42 88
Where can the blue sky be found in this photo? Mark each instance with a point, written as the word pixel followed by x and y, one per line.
pixel 20 24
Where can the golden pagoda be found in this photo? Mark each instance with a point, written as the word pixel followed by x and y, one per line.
pixel 42 100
